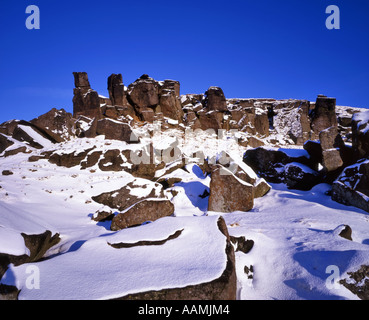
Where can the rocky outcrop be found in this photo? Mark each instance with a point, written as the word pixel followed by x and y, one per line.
pixel 323 115
pixel 357 282
pixel 143 211
pixel 215 99
pixel 116 130
pixel 86 101
pixel 57 123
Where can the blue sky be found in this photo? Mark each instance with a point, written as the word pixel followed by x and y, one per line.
pixel 266 48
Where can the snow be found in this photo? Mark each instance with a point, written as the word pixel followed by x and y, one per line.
pixel 36 136
pixel 295 232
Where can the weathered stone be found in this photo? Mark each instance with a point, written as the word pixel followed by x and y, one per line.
pixel 324 114
pixel 111 161
pixel 145 210
pixel 171 105
pixel 68 159
pixel 144 93
pixel 300 177
pixel 215 99
pixel 115 130
pixel 332 160
pixel 116 90
pixel 229 193
pixel 122 199
pixel 261 188
pixel 57 123
pixel 358 282
pixel 4 143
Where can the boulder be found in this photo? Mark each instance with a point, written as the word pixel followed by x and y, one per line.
pixel 352 186
pixel 125 197
pixel 324 114
pixel 86 101
pixel 116 130
pixel 116 90
pixel 229 193
pixel 300 177
pixel 261 188
pixel 215 99
pixel 4 143
pixel 145 210
pixel 57 123
pixel 144 93
pixel 170 105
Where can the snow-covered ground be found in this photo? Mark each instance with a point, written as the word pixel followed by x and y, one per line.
pixel 298 253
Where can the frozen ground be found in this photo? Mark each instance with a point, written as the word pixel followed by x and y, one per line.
pixel 297 254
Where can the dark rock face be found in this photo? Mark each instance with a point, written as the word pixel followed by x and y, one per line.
pixel 223 288
pixel 170 105
pixel 4 143
pixel 145 210
pixel 324 114
pixel 352 186
pixel 228 193
pixel 86 101
pixel 116 90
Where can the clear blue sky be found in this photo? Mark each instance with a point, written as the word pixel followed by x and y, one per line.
pixel 266 48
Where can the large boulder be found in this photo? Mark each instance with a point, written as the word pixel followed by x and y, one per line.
pixel 57 123
pixel 229 193
pixel 215 99
pixel 143 93
pixel 300 177
pixel 323 115
pixel 143 211
pixel 170 105
pixel 130 194
pixel 116 130
pixel 86 101
pixel 352 186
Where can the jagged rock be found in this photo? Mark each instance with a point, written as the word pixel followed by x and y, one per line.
pixel 360 134
pixel 242 244
pixel 123 198
pixel 145 210
pixel 346 232
pixel 352 186
pixel 111 161
pixel 144 93
pixel 116 130
pixel 116 90
pixel 210 120
pixel 324 114
pixel 57 123
pixel 86 101
pixel 170 105
pixel 330 138
pixel 68 159
pixel 229 193
pixel 215 99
